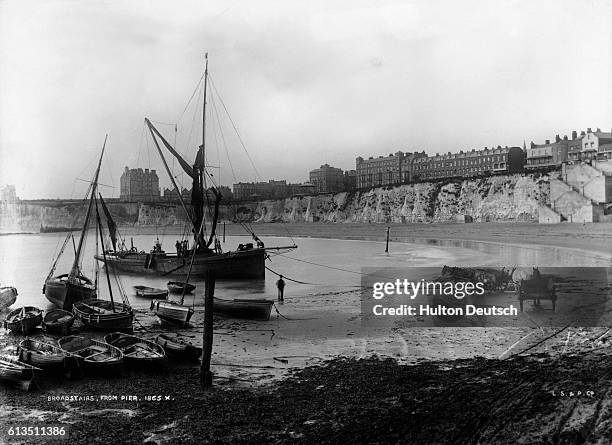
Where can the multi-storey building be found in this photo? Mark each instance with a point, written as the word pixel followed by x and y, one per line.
pixel 549 155
pixel 139 185
pixel 8 195
pixel 327 179
pixel 595 145
pixel 466 164
pixel 588 146
pixel 383 170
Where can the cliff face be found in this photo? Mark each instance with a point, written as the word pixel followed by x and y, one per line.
pixel 499 198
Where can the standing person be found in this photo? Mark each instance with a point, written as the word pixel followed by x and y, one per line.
pixel 280 284
pixel 178 248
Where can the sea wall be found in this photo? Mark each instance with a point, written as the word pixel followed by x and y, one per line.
pixel 498 198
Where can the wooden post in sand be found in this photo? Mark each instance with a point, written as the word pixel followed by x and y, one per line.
pixel 387 247
pixel 209 292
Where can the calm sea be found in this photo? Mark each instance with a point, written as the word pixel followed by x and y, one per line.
pixel 325 265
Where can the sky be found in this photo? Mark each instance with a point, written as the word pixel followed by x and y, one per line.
pixel 304 83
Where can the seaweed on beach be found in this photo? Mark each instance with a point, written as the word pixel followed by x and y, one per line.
pixel 358 401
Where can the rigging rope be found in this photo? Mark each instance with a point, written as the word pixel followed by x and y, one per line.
pixel 233 125
pixel 195 90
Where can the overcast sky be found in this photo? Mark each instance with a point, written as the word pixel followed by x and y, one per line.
pixel 305 83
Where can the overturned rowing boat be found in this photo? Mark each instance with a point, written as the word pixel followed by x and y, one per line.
pixel 178 287
pixel 178 347
pixel 150 292
pixel 8 296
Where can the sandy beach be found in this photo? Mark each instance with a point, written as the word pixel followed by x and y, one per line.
pixel 300 347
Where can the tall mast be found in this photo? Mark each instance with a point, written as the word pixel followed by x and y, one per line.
pixel 94 187
pixel 204 114
pixel 198 196
pixel 202 174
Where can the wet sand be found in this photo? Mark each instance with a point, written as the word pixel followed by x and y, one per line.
pixel 589 237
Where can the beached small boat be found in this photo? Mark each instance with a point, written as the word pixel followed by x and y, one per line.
pixel 104 315
pixel 17 373
pixel 23 320
pixel 95 355
pixel 137 351
pixel 243 308
pixel 178 287
pixel 46 356
pixel 172 312
pixel 8 296
pixel 178 347
pixel 150 292
pixel 58 321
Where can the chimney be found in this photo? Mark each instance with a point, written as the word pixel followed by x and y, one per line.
pixel 589 130
pixel 557 138
pixel 582 133
pixel 598 130
pixel 574 134
pixel 547 142
pixel 565 137
pixel 532 144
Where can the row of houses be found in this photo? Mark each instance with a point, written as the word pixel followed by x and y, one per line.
pixel 400 167
pixel 586 147
pixel 403 167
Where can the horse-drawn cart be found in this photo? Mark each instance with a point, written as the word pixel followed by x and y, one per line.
pixel 536 288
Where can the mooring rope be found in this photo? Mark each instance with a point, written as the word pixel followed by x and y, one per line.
pixel 292 319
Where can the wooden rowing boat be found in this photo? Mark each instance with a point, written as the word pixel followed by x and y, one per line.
pixel 243 308
pixel 177 287
pixel 137 351
pixel 95 356
pixel 150 292
pixel 46 356
pixel 14 372
pixel 58 321
pixel 104 315
pixel 179 348
pixel 8 296
pixel 23 320
pixel 172 312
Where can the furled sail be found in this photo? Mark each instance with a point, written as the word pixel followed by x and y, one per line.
pixel 112 226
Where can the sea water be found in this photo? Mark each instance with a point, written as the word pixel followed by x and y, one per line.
pixel 320 265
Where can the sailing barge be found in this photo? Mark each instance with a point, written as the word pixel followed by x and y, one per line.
pixel 246 262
